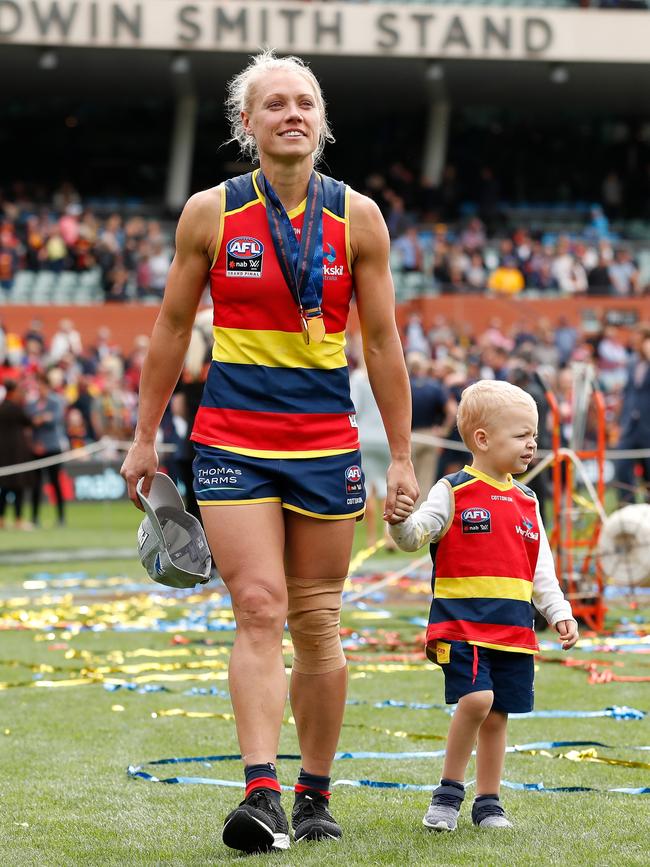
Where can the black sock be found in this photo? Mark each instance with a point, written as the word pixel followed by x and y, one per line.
pixel 262 777
pixel 313 781
pixel 445 782
pixel 480 798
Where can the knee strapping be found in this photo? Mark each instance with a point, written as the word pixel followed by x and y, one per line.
pixel 314 618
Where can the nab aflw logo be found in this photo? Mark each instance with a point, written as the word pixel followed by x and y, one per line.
pixel 244 257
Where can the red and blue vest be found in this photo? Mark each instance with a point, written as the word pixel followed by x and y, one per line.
pixel 484 564
pixel 268 394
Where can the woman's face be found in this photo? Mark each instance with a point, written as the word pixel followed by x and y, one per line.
pixel 284 117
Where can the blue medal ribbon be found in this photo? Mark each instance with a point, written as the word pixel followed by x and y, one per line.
pixel 301 264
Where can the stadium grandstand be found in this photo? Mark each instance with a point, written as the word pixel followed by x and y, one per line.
pixel 506 143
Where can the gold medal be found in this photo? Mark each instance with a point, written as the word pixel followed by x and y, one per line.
pixel 316 326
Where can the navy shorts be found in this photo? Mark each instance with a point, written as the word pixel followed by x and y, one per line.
pixel 470 668
pixel 330 487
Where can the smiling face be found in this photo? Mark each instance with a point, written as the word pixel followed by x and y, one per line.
pixel 507 444
pixel 283 116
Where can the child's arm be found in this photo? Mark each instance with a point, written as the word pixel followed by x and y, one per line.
pixel 424 525
pixel 547 595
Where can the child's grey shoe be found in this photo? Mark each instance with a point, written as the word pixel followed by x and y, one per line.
pixel 487 812
pixel 442 814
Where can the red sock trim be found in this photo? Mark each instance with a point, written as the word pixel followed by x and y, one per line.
pixel 263 783
pixel 300 789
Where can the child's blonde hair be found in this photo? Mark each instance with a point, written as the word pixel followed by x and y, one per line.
pixel 480 401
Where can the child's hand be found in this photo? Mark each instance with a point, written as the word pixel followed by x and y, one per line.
pixel 568 631
pixel 404 505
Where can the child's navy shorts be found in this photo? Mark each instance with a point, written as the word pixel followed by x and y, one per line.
pixel 470 668
pixel 330 487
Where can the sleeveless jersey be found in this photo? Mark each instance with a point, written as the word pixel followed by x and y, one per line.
pixel 268 394
pixel 484 564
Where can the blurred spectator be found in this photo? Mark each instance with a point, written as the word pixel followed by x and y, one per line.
pixel 85 404
pixel 434 413
pixel 66 339
pixel 159 263
pixel 624 273
pixel 635 423
pixel 15 427
pixel 410 251
pixel 47 413
pixel 507 279
pixel 567 271
pixel 374 451
pixel 599 279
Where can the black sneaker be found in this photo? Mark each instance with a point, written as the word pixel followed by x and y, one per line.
pixel 312 820
pixel 258 824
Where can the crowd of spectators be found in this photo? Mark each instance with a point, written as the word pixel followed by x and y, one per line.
pixel 133 254
pixel 75 392
pixel 474 254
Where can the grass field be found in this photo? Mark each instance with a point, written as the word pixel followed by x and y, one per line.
pixel 65 796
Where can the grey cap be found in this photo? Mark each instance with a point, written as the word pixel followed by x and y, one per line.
pixel 171 543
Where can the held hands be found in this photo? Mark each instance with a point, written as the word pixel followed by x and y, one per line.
pixel 140 462
pixel 568 632
pixel 400 483
pixel 404 506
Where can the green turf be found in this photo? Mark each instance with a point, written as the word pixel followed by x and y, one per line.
pixel 65 798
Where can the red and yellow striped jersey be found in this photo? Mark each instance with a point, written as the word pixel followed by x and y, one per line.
pixel 268 394
pixel 484 565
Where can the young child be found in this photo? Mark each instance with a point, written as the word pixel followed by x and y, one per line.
pixel 491 560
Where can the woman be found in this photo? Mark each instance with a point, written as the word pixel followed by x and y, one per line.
pixel 277 472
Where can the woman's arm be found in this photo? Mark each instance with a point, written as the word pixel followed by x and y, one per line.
pixel 171 334
pixel 382 347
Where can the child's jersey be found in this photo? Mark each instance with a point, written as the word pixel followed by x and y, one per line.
pixel 483 566
pixel 491 561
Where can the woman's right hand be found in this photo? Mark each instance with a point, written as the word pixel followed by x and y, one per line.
pixel 141 462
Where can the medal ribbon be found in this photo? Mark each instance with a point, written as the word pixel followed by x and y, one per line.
pixel 301 265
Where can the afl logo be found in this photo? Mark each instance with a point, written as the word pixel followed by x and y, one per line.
pixel 244 256
pixel 476 520
pixel 353 474
pixel 475 515
pixel 353 480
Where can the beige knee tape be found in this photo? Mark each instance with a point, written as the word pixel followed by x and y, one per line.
pixel 314 618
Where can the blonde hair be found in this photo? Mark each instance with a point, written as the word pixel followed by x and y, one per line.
pixel 239 93
pixel 480 401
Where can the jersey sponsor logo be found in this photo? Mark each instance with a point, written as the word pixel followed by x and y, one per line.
pixel 330 270
pixel 526 530
pixel 244 256
pixel 219 477
pixel 353 480
pixel 352 418
pixel 476 520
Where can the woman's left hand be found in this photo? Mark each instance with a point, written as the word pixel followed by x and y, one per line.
pixel 400 477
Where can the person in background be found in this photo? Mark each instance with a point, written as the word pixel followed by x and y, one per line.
pixel 47 413
pixel 15 430
pixel 374 451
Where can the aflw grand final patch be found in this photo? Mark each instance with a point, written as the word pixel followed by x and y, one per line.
pixel 244 257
